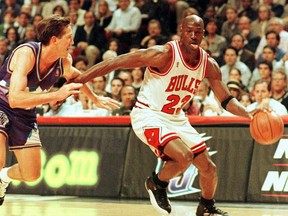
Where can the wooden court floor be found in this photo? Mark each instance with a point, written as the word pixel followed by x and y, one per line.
pixel 32 205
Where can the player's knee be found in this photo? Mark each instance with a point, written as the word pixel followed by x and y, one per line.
pixel 31 176
pixel 186 160
pixel 211 170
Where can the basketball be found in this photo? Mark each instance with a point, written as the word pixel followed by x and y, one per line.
pixel 266 127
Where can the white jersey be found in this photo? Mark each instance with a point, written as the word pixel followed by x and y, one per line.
pixel 170 90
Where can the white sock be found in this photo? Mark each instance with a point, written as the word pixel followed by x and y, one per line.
pixel 4 175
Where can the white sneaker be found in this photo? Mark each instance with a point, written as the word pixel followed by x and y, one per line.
pixel 3 186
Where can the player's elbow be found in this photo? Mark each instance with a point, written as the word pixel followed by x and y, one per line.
pixel 12 102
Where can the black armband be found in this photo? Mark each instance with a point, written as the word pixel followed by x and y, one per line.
pixel 226 101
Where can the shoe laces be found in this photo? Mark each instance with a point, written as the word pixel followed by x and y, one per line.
pixel 3 186
pixel 214 209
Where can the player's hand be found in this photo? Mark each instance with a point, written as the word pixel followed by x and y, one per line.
pixel 106 103
pixel 67 90
pixel 259 109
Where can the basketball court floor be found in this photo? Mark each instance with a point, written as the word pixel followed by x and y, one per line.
pixel 33 205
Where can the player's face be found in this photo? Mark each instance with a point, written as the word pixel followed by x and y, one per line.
pixel 65 42
pixel 192 33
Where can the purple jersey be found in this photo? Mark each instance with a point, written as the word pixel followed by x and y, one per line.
pixel 19 125
pixel 35 79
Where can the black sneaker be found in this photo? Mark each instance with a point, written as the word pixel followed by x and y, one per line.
pixel 203 210
pixel 158 197
pixel 3 186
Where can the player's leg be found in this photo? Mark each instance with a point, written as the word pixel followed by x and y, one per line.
pixel 2 150
pixel 28 167
pixel 181 157
pixel 208 182
pixel 3 185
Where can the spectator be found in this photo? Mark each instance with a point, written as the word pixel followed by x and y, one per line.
pixel 73 15
pixel 230 59
pixel 137 77
pixel 9 20
pixel 103 15
pixel 95 6
pixel 81 63
pixel 125 23
pixel 116 86
pixel 244 55
pixel 268 55
pixel 106 55
pixel 9 5
pixel 26 8
pixel 128 99
pixel 30 34
pixel 13 38
pixel 158 10
pixel 36 20
pixel 36 7
pixel 205 46
pixel 279 87
pixel 22 22
pixel 3 49
pixel 251 40
pixel 247 10
pixel 113 45
pixel 59 10
pixel 276 8
pixel 264 71
pixel 90 38
pixel 217 43
pixel 210 14
pixel 48 6
pixel 234 88
pixel 273 39
pixel 75 5
pixel 260 25
pixel 236 74
pixel 229 27
pixel 262 93
pixel 276 24
pixel 245 99
pixel 208 106
pixel 154 30
pixel 126 76
pixel 99 83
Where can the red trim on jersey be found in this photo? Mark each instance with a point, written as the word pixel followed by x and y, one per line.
pixel 171 64
pixel 184 62
pixel 205 66
pixel 168 137
pixel 144 104
pixel 199 147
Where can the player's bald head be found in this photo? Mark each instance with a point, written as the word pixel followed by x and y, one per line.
pixel 193 19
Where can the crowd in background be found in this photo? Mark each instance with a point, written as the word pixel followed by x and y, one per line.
pixel 248 39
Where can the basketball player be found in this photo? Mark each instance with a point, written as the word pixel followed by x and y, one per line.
pixel 32 66
pixel 173 74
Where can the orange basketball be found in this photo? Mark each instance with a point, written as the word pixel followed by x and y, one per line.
pixel 266 127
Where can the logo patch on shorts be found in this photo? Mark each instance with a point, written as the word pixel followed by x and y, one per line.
pixel 3 119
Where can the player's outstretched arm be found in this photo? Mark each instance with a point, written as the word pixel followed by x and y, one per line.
pixel 140 58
